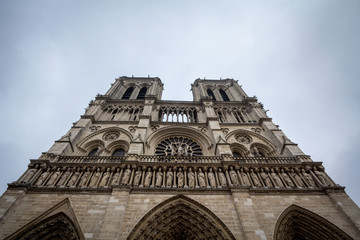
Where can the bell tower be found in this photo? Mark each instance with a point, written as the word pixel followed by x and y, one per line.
pixel 135 166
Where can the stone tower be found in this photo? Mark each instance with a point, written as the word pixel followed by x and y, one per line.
pixel 138 167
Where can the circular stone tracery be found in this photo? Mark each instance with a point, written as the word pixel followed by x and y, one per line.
pixel 243 138
pixel 110 136
pixel 178 146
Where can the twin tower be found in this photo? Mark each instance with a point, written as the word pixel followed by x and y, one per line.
pixel 138 167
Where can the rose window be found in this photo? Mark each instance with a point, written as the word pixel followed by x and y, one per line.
pixel 178 146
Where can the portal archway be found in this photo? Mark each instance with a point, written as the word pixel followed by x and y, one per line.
pixel 297 223
pixel 180 218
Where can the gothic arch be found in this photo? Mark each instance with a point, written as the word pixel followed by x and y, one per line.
pixel 200 138
pixel 266 143
pixel 180 217
pixel 299 223
pixel 242 150
pixel 59 222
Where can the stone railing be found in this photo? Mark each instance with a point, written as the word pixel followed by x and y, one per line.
pixel 268 160
pixel 86 159
pixel 181 159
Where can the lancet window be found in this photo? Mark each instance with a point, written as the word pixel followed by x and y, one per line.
pixel 178 146
pixel 128 93
pixel 177 114
pixel 211 94
pixel 142 93
pixel 224 95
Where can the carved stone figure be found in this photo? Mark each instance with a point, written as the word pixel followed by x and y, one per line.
pixel 105 178
pixel 95 178
pixel 53 178
pixel 276 178
pixel 222 178
pixel 245 178
pixel 255 178
pixel 308 178
pixel 322 178
pixel 266 179
pixel 159 177
pixel 234 177
pixel 169 178
pixel 84 179
pixel 115 177
pixel 212 179
pixel 287 179
pixel 63 178
pixel 74 177
pixel 28 175
pixel 126 176
pixel 42 178
pixel 148 177
pixel 297 179
pixel 180 178
pixel 191 178
pixel 201 177
pixel 137 177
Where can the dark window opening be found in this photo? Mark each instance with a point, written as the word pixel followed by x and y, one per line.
pixel 211 94
pixel 119 153
pixel 128 93
pixel 93 152
pixel 224 95
pixel 142 93
pixel 236 154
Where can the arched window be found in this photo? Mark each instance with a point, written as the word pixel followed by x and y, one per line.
pixel 93 152
pixel 211 94
pixel 236 154
pixel 118 153
pixel 128 93
pixel 224 95
pixel 142 93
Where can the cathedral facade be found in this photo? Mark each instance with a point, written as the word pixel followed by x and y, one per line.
pixel 138 167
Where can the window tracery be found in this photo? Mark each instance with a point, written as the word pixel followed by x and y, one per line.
pixel 178 146
pixel 178 114
pixel 128 93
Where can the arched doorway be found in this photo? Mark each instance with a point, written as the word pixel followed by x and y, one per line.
pixel 297 223
pixel 180 218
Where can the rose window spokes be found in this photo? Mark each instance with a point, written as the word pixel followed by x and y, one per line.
pixel 178 146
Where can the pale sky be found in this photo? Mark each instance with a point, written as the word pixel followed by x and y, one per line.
pixel 300 58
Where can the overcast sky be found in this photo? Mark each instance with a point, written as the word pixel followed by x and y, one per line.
pixel 300 58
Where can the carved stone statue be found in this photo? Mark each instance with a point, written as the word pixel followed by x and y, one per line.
pixel 201 177
pixel 148 177
pixel 137 177
pixel 126 176
pixel 63 178
pixel 54 177
pixel 297 179
pixel 115 178
pixel 276 178
pixel 105 178
pixel 308 178
pixel 266 179
pixel 245 178
pixel 212 179
pixel 84 179
pixel 95 178
pixel 191 178
pixel 169 178
pixel 28 175
pixel 222 178
pixel 180 178
pixel 255 178
pixel 74 177
pixel 234 177
pixel 322 178
pixel 287 179
pixel 42 177
pixel 159 177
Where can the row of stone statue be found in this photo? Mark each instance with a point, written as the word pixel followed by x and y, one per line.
pixel 177 177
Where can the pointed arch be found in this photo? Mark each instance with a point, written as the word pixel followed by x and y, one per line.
pixel 128 93
pixel 224 95
pixel 142 93
pixel 59 222
pixel 299 223
pixel 180 217
pixel 211 94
